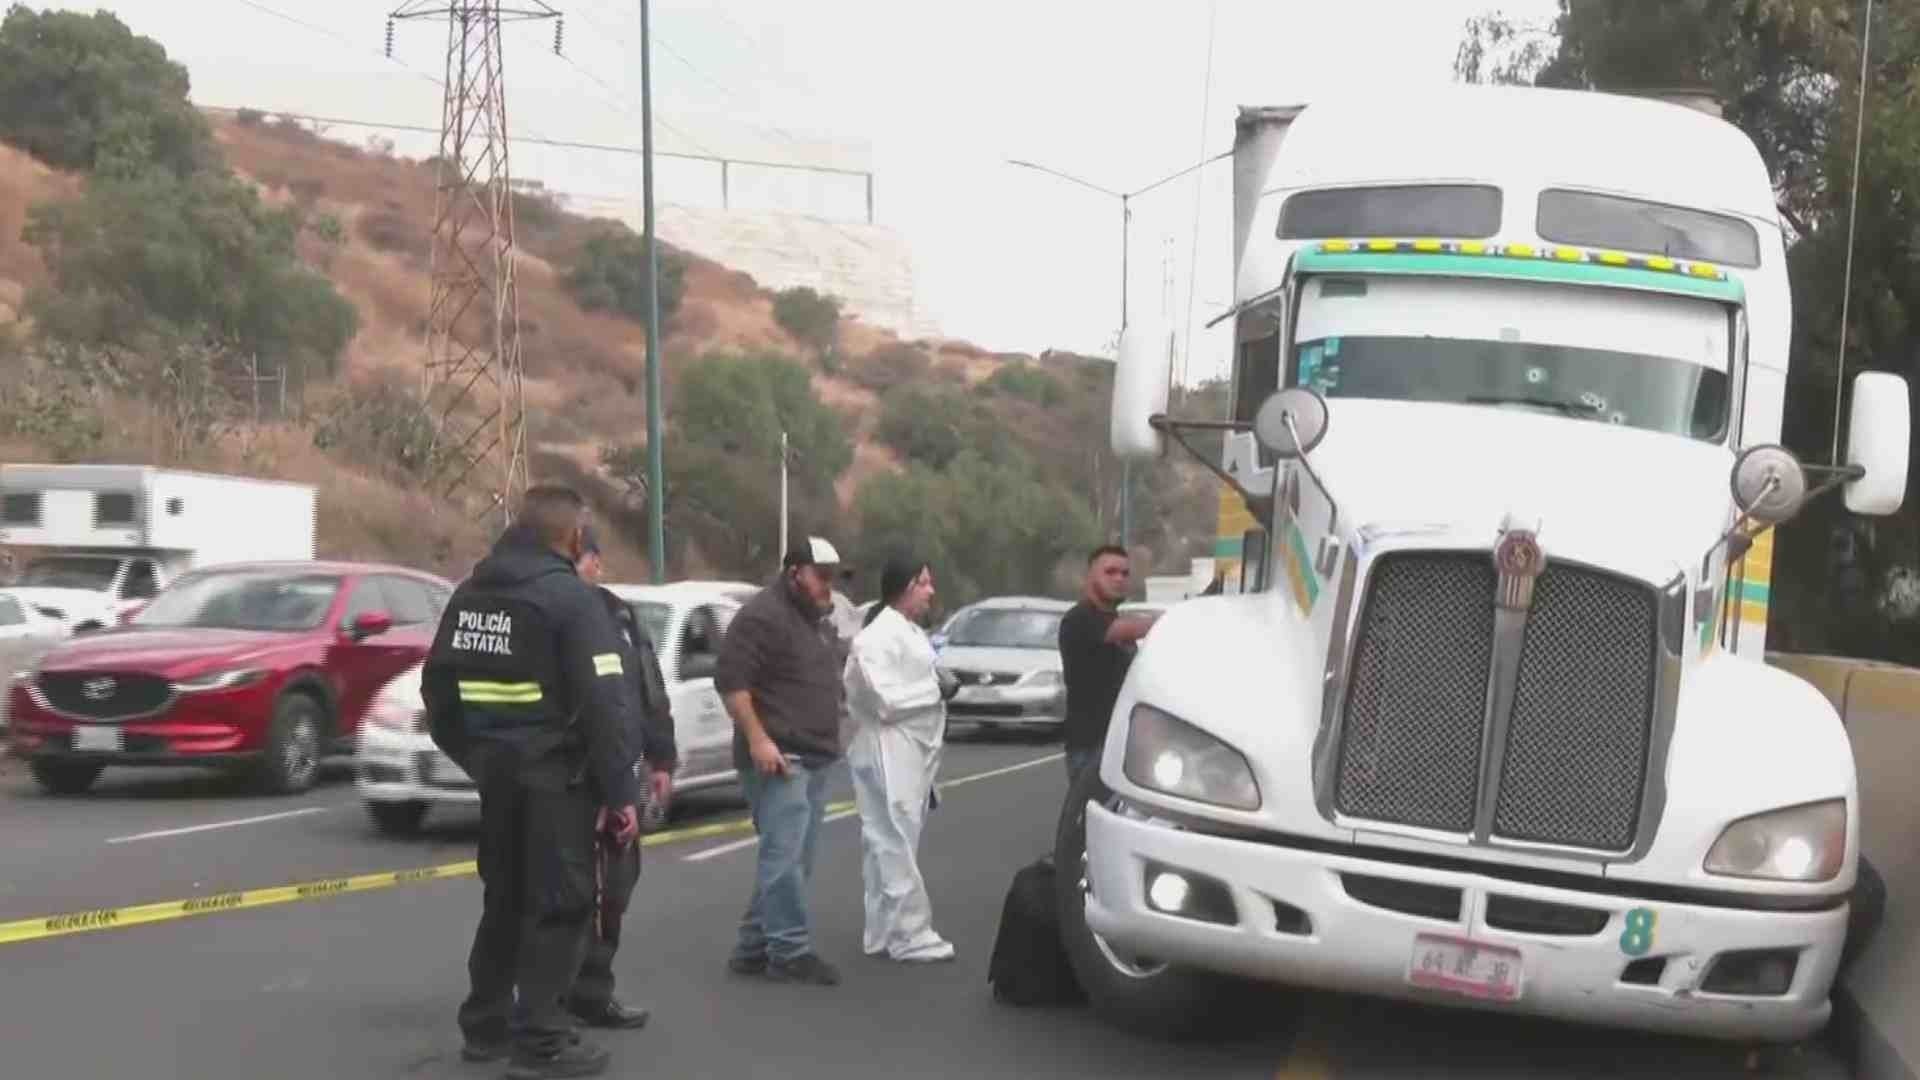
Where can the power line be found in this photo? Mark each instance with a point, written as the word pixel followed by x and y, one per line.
pixel 540 140
pixel 337 36
pixel 615 100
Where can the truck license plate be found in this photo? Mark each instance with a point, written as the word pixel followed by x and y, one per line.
pixel 98 737
pixel 1459 966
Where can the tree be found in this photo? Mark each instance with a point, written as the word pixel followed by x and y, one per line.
pixel 185 257
pixel 728 413
pixel 1787 72
pixel 611 275
pixel 83 92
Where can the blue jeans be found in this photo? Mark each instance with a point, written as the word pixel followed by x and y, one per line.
pixel 787 812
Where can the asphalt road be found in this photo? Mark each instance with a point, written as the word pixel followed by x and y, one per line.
pixel 365 985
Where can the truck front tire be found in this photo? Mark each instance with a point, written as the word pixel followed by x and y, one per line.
pixel 1157 999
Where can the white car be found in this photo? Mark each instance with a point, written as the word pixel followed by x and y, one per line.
pixel 27 632
pixel 1005 652
pixel 401 773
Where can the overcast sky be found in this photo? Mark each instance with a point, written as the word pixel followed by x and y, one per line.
pixel 933 96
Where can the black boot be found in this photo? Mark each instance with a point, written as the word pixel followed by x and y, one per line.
pixel 570 1058
pixel 609 1014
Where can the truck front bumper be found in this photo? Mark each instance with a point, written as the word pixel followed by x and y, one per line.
pixel 1342 922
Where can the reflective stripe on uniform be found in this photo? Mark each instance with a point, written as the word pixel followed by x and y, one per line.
pixel 607 663
pixel 499 693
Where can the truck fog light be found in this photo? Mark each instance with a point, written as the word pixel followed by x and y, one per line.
pixel 1187 895
pixel 1168 892
pixel 1753 973
pixel 1168 769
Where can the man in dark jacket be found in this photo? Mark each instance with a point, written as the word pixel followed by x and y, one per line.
pixel 525 688
pixel 779 677
pixel 617 861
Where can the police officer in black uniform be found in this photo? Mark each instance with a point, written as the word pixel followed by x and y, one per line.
pixel 617 861
pixel 525 688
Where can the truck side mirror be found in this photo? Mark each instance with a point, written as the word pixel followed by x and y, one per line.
pixel 1294 412
pixel 1878 434
pixel 1768 483
pixel 1139 390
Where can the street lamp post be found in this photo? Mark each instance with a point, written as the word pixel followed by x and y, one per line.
pixel 1126 221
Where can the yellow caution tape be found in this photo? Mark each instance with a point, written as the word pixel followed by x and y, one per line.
pixel 113 918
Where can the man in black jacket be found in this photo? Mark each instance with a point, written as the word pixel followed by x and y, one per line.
pixel 526 689
pixel 617 861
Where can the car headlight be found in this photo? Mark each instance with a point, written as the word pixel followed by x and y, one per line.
pixel 228 679
pixel 1044 679
pixel 1797 843
pixel 1168 754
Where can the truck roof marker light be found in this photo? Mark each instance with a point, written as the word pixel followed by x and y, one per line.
pixel 1614 258
pixel 1473 247
pixel 1704 270
pixel 1659 262
pixel 1428 245
pixel 1337 246
pixel 1519 251
pixel 1567 254
pixel 1381 245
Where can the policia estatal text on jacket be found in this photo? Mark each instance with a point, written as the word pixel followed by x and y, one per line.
pixel 525 688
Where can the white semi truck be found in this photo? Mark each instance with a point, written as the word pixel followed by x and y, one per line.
pixel 107 538
pixel 1482 717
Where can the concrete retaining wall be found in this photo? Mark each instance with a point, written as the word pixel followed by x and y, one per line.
pixel 1877 1006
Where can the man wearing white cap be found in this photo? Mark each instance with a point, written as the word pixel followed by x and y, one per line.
pixel 779 675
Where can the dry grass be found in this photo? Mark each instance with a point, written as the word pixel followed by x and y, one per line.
pixel 23 182
pixel 585 372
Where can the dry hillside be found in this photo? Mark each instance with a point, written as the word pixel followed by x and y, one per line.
pixel 584 371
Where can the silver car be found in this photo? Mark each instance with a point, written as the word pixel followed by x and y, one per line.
pixel 27 633
pixel 1005 653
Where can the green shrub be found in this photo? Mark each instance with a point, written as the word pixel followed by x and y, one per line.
pixel 812 318
pixel 611 275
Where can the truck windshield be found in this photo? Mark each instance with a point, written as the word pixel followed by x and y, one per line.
pixel 1008 628
pixel 94 574
pixel 1654 362
pixel 244 601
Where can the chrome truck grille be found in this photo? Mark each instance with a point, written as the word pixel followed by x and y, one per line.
pixel 1570 768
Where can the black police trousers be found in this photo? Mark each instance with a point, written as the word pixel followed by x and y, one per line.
pixel 619 872
pixel 536 866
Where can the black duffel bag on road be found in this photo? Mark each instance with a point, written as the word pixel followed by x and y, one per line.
pixel 1029 964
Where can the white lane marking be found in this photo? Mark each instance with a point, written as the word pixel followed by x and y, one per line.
pixel 750 841
pixel 219 825
pixel 738 845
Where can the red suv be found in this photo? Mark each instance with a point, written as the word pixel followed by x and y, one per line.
pixel 262 666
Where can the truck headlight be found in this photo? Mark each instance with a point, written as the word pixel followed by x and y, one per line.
pixel 1796 843
pixel 228 679
pixel 1165 753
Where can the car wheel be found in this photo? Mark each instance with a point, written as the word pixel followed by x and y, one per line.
pixel 66 777
pixel 1137 993
pixel 400 818
pixel 291 762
